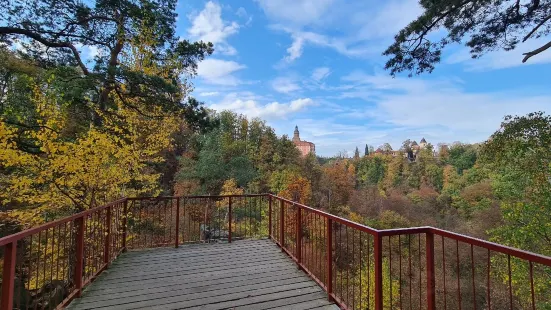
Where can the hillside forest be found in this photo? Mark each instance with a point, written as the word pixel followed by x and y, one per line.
pixel 77 134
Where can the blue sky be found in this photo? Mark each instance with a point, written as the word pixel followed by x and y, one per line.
pixel 317 64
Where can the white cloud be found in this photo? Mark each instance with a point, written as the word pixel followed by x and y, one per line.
pixel 364 28
pixel 209 26
pixel 241 12
pixel 285 85
pixel 387 20
pixel 295 50
pixel 209 94
pixel 320 73
pixel 251 106
pixel 297 12
pixel 501 59
pixel 350 48
pixel 219 72
pixel 441 110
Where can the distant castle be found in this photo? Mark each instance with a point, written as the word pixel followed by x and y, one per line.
pixel 410 153
pixel 304 147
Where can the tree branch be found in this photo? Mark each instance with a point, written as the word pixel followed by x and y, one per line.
pixel 36 37
pixel 436 21
pixel 108 85
pixel 29 126
pixel 536 51
pixel 536 28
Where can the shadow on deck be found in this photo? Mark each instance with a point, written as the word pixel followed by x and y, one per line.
pixel 251 274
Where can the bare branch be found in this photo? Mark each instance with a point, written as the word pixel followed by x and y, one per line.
pixel 36 37
pixel 29 126
pixel 536 51
pixel 428 28
pixel 536 28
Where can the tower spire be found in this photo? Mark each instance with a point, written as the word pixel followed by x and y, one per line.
pixel 296 134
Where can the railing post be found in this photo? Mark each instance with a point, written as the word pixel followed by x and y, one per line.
pixel 177 241
pixel 229 219
pixel 79 265
pixel 299 235
pixel 8 275
pixel 270 216
pixel 107 248
pixel 431 297
pixel 282 224
pixel 124 216
pixel 329 250
pixel 378 258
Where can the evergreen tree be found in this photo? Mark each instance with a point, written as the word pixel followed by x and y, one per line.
pixel 484 26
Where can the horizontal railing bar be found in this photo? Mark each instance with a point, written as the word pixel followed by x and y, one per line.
pixel 533 257
pixel 199 196
pixel 404 231
pixel 536 258
pixel 341 220
pixel 31 231
pixel 496 247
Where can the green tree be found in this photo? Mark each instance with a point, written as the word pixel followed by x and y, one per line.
pixel 519 157
pixel 462 156
pixel 520 162
pixel 370 170
pixel 143 30
pixel 486 25
pixel 356 154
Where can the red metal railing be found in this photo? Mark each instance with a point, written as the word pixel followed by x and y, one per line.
pixel 412 268
pixel 47 266
pixel 359 267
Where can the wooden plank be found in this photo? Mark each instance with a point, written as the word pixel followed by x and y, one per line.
pixel 182 254
pixel 200 247
pixel 189 294
pixel 328 307
pixel 311 304
pixel 184 280
pixel 184 266
pixel 196 299
pixel 237 300
pixel 205 260
pixel 282 302
pixel 169 273
pixel 245 274
pixel 204 286
pixel 206 275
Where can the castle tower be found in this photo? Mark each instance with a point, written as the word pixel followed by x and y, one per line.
pixel 304 147
pixel 296 135
pixel 423 143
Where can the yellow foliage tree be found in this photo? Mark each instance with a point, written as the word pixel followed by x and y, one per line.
pixel 291 185
pixel 68 176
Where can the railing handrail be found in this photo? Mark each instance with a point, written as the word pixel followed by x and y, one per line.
pixel 31 231
pixel 530 256
pixel 198 196
pixel 496 247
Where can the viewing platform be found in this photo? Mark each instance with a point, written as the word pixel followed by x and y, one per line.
pixel 258 252
pixel 242 275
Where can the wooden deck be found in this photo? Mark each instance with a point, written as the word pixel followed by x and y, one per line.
pixel 252 274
